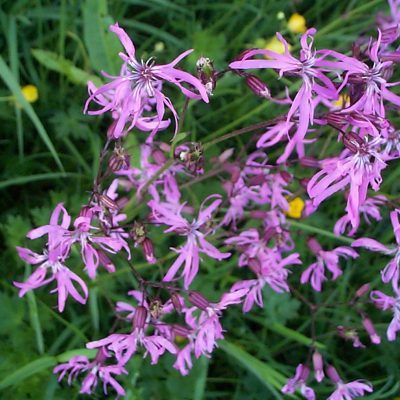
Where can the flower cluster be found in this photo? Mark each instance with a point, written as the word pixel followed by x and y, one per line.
pixel 251 214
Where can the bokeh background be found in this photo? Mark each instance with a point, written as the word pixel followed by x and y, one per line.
pixel 49 153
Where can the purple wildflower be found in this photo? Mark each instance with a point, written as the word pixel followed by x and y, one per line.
pixel 347 391
pixel 309 68
pixel 391 273
pixel 96 369
pixel 299 382
pixel 139 82
pixel 195 231
pixel 315 273
pixel 385 302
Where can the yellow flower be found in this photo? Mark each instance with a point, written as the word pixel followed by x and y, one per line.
pixel 180 339
pixel 297 23
pixel 275 45
pixel 296 207
pixel 342 102
pixel 30 92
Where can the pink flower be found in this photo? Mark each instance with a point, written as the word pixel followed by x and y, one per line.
pixel 347 391
pixel 369 210
pixel 329 259
pixel 124 345
pixel 206 327
pixel 138 83
pixel 97 369
pixel 312 72
pixel 385 302
pixel 52 263
pixel 195 232
pixel 359 166
pixel 299 382
pixel 391 273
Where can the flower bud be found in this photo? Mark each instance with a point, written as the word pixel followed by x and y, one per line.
pixel 159 156
pixel 350 334
pixel 309 162
pixel 254 265
pixel 206 73
pixel 138 232
pixel 286 176
pixel 86 212
pixel 176 300
pixel 352 141
pixel 314 246
pixel 181 330
pixel 389 35
pixel 148 250
pixel 119 159
pixel 370 329
pixel 364 289
pixel 107 202
pixel 318 364
pixel 258 214
pixel 333 374
pixel 198 300
pixel 139 318
pixel 155 308
pixel 257 86
pixel 191 156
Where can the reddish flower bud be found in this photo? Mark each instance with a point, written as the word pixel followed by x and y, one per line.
pixel 176 300
pixel 139 319
pixel 148 250
pixel 364 289
pixel 318 364
pixel 254 265
pixel 314 246
pixel 370 329
pixel 258 214
pixel 198 300
pixel 181 330
pixel 352 141
pixel 286 176
pixel 257 86
pixel 309 162
pixel 119 159
pixel 333 374
pixel 159 156
pixel 107 202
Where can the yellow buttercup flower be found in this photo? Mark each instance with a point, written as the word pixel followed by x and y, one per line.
pixel 275 45
pixel 342 102
pixel 30 92
pixel 296 207
pixel 297 23
pixel 180 339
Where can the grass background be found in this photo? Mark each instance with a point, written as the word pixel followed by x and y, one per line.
pixel 49 153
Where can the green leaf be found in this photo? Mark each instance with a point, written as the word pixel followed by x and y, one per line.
pixel 65 357
pixel 65 67
pixel 11 82
pixel 21 180
pixel 34 315
pixel 287 332
pixel 103 46
pixel 267 375
pixel 28 370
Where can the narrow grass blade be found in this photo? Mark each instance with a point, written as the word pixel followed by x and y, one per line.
pixel 28 370
pixel 57 63
pixel 21 180
pixel 267 375
pixel 10 81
